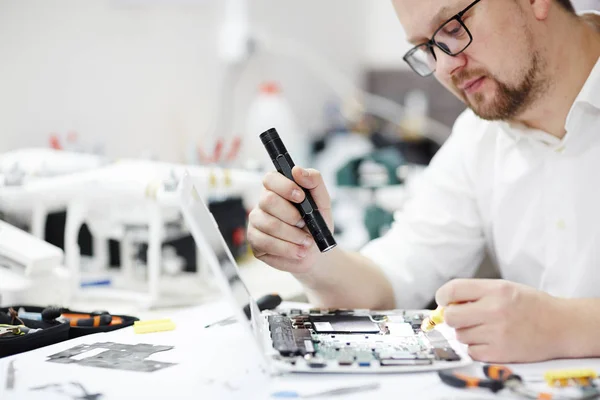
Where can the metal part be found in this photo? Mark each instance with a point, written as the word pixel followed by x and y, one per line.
pixel 115 356
pixel 10 376
pixel 5 330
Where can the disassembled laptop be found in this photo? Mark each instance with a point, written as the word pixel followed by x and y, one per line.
pixel 355 339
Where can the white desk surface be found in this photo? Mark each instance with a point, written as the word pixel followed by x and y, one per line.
pixel 214 364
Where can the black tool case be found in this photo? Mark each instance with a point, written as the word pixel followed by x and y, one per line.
pixel 53 331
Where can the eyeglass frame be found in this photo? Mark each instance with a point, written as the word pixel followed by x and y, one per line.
pixel 430 43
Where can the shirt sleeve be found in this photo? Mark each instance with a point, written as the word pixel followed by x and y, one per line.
pixel 438 235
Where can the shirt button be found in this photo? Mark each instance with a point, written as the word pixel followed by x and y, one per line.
pixel 560 149
pixel 560 224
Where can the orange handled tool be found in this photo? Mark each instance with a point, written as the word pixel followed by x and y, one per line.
pixel 92 320
pixel 460 381
pixel 87 320
pixel 499 372
pixel 499 377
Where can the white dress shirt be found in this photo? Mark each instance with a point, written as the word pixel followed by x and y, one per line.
pixel 532 199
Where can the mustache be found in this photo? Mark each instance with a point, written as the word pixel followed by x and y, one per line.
pixel 464 76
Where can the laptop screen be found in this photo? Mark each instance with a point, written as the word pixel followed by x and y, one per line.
pixel 213 248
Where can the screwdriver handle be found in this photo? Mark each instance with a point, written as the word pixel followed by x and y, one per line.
pixel 499 372
pixel 96 321
pixel 267 302
pixel 51 313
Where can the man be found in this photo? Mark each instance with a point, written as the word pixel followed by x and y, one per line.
pixel 518 176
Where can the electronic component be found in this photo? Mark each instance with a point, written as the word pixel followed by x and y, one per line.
pixel 416 321
pixel 317 364
pixel 344 324
pixel 400 329
pixel 282 336
pixel 436 339
pixel 345 359
pixel 303 341
pixel 446 354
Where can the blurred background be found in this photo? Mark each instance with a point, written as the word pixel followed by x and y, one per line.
pixel 136 78
pixel 105 103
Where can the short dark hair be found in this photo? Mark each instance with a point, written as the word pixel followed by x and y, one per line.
pixel 567 5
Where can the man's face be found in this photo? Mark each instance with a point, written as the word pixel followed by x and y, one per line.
pixel 501 72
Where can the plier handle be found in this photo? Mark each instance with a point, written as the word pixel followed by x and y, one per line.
pixel 497 378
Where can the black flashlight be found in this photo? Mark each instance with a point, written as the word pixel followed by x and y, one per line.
pixel 308 209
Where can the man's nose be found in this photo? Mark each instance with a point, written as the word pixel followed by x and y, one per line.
pixel 447 65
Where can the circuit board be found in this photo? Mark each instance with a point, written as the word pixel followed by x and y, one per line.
pixel 356 338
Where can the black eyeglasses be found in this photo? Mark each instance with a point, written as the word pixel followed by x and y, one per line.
pixel 452 37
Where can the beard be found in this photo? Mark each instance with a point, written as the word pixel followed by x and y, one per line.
pixel 508 101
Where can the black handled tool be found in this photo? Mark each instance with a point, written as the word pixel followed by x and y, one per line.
pixel 51 313
pixel 308 209
pixel 267 302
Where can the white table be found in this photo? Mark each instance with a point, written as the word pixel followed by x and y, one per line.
pixel 216 363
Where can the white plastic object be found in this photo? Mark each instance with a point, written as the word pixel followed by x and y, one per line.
pixel 270 109
pixel 416 106
pixel 234 35
pixel 12 285
pixel 172 263
pixel 26 252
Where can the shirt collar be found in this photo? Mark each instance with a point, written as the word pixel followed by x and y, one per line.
pixel 590 93
pixel 518 131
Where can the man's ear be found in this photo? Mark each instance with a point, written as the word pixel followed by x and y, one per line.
pixel 541 8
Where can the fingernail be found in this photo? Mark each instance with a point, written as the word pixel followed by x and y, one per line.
pixel 307 241
pixel 302 253
pixel 301 224
pixel 304 172
pixel 296 194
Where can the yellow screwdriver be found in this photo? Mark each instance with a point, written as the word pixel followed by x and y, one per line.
pixel 436 317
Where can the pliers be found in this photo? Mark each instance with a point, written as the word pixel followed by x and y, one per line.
pixel 500 377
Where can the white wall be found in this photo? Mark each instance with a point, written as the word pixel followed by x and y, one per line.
pixel 584 5
pixel 138 78
pixel 385 39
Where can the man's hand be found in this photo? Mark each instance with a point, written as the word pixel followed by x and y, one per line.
pixel 502 321
pixel 277 233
